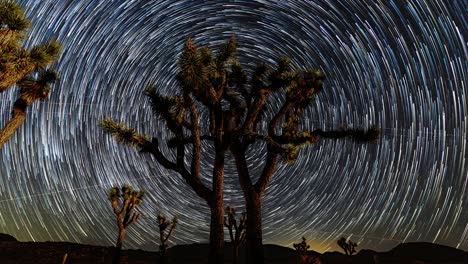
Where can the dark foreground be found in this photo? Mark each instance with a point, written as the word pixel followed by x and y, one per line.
pixel 14 252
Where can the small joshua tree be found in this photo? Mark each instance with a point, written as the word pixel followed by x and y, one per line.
pixel 236 231
pixel 304 258
pixel 126 214
pixel 348 246
pixel 163 225
pixel 301 248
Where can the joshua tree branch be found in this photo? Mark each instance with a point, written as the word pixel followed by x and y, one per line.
pixel 115 207
pixel 357 134
pixel 195 138
pixel 134 218
pixel 130 137
pixel 268 170
pixel 275 120
pixel 255 108
pixel 237 150
pixel 171 230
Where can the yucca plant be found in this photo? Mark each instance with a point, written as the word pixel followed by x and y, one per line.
pixel 124 201
pixel 236 231
pixel 163 224
pixel 25 68
pixel 348 246
pixel 236 105
pixel 31 89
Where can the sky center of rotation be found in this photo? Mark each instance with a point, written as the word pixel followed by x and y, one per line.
pixel 400 65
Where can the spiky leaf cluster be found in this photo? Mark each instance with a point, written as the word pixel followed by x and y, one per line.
pixel 163 224
pixel 126 193
pixel 129 199
pixel 168 108
pixel 122 133
pixel 26 68
pixel 12 17
pixel 37 87
pixel 15 61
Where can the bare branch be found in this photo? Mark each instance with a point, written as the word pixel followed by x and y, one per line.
pixel 357 134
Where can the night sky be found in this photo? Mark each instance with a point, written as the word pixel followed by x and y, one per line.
pixel 401 65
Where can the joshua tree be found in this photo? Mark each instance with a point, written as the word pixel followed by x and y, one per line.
pixel 163 224
pixel 301 248
pixel 126 214
pixel 348 246
pixel 304 258
pixel 282 135
pixel 236 231
pixel 204 79
pixel 236 106
pixel 26 68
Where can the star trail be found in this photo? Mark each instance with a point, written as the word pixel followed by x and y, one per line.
pixel 400 65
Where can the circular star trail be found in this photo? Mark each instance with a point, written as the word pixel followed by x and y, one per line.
pixel 400 65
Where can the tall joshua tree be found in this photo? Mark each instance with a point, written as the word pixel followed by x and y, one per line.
pixel 282 136
pixel 124 201
pixel 26 68
pixel 236 231
pixel 203 78
pixel 236 105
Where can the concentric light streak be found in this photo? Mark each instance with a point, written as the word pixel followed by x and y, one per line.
pixel 401 65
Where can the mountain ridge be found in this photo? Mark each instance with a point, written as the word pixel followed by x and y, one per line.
pixel 13 251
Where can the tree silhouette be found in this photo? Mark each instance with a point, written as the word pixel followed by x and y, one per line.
pixel 348 246
pixel 302 247
pixel 236 105
pixel 282 136
pixel 236 231
pixel 26 68
pixel 203 80
pixel 128 200
pixel 163 224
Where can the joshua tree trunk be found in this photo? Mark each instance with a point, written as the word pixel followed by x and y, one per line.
pixel 217 209
pixel 253 194
pixel 217 234
pixel 254 230
pixel 235 253
pixel 118 246
pixel 10 128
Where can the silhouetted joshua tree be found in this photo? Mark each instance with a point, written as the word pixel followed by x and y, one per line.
pixel 236 107
pixel 304 257
pixel 236 231
pixel 163 224
pixel 203 79
pixel 124 201
pixel 26 68
pixel 302 247
pixel 348 246
pixel 251 120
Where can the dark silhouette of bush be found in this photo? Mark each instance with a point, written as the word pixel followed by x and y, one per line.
pixel 348 246
pixel 302 247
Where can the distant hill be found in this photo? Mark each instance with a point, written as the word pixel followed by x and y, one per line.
pixel 13 252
